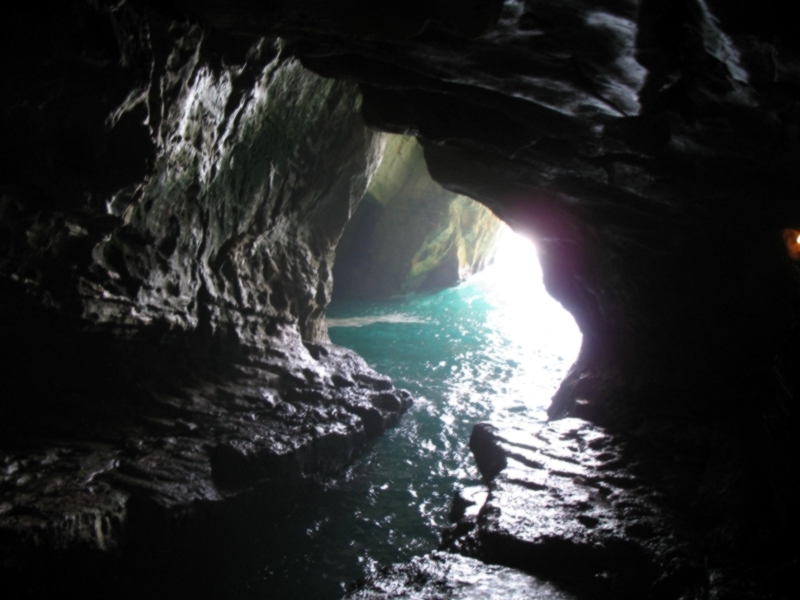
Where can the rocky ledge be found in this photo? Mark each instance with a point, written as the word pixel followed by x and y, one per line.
pixel 94 478
pixel 566 503
pixel 596 513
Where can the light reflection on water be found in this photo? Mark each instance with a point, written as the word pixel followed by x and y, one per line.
pixel 493 349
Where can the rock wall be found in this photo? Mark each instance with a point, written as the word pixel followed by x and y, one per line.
pixel 169 209
pixel 173 184
pixel 631 138
pixel 409 233
pixel 212 236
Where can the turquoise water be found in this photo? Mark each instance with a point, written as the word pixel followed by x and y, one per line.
pixel 493 349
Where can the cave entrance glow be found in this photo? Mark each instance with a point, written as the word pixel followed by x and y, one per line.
pixel 494 348
pixel 524 312
pixel 498 339
pixel 431 289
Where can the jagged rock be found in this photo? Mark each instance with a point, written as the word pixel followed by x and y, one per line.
pixel 409 233
pixel 584 507
pixel 174 180
pixel 169 219
pixel 235 227
pixel 441 575
pixel 267 420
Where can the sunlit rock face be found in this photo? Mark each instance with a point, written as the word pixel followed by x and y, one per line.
pixel 170 207
pixel 239 146
pixel 409 233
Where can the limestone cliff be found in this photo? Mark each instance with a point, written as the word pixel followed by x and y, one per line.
pixel 409 233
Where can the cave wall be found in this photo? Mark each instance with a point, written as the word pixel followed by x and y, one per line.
pixel 649 146
pixel 635 140
pixel 169 210
pixel 409 233
pixel 174 180
pixel 240 150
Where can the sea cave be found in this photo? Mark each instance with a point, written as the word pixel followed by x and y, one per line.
pixel 266 329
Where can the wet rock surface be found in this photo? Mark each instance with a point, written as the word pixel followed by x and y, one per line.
pixel 593 511
pixel 73 482
pixel 442 575
pixel 174 181
pixel 169 217
pixel 565 503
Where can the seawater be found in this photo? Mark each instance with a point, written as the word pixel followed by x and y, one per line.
pixel 495 348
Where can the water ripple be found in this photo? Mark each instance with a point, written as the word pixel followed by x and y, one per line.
pixel 494 349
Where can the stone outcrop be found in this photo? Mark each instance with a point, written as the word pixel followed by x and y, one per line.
pixel 568 503
pixel 409 233
pixel 592 513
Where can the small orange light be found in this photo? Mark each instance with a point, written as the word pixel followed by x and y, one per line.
pixel 792 239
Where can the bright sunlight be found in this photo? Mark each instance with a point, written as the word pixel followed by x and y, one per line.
pixel 525 311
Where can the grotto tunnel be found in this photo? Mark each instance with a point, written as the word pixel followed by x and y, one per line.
pixel 176 183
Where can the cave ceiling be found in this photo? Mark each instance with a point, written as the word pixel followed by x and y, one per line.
pixel 650 146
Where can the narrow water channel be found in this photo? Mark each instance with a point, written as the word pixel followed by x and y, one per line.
pixel 495 348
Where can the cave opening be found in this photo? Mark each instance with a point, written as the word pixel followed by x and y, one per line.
pixel 476 338
pixel 174 418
